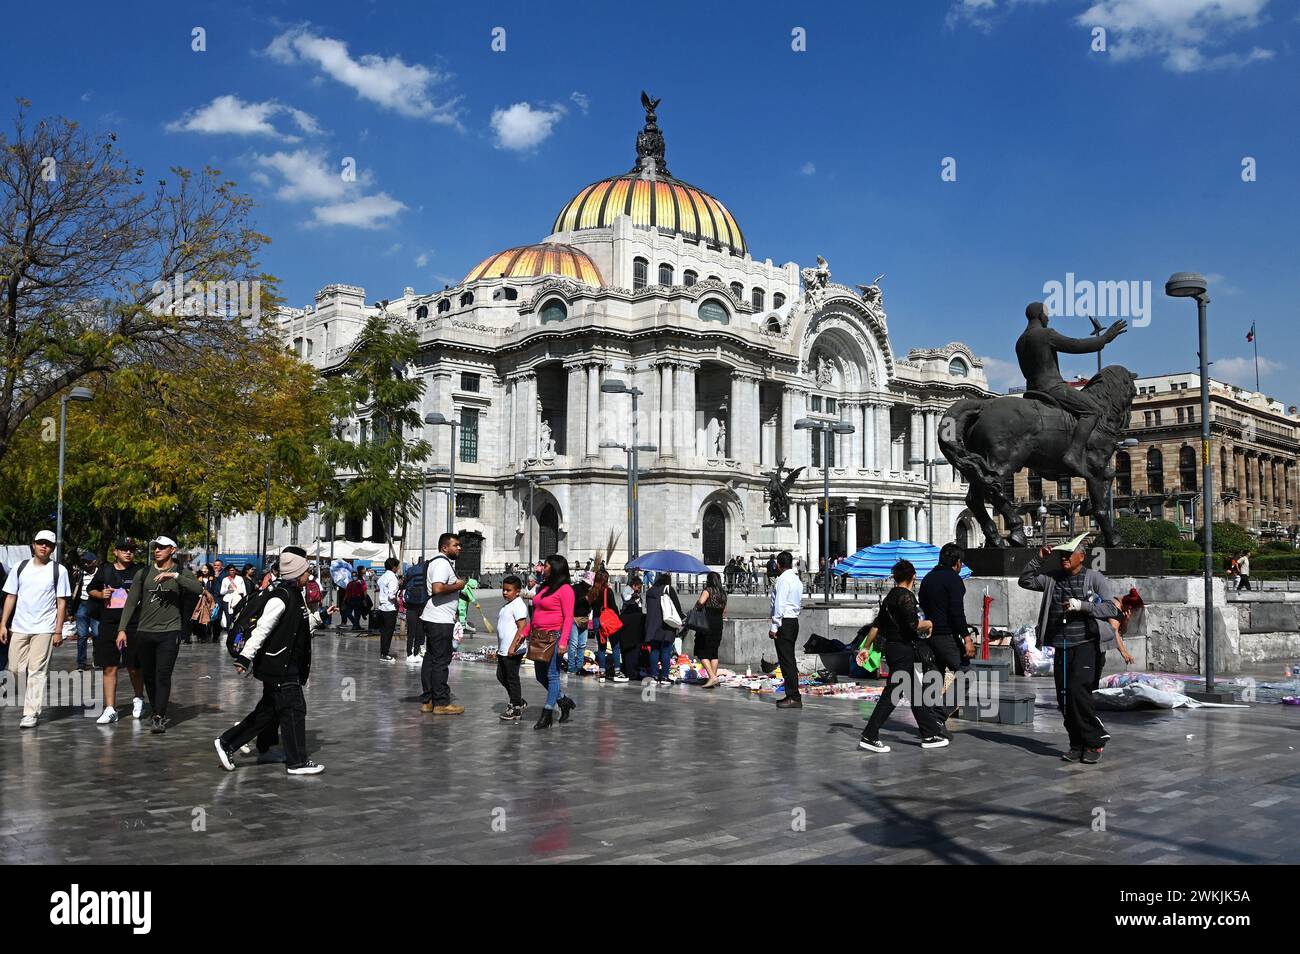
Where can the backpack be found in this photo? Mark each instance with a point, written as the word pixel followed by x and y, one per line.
pixel 672 618
pixel 313 591
pixel 246 614
pixel 417 585
pixel 771 567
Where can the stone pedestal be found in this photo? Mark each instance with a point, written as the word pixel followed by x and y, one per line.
pixel 771 538
pixel 1115 561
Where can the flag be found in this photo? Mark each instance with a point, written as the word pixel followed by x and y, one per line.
pixel 1250 335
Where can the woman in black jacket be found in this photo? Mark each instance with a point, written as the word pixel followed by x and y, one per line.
pixel 660 636
pixel 713 601
pixel 898 624
pixel 632 634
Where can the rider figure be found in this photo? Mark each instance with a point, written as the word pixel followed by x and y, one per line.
pixel 1037 349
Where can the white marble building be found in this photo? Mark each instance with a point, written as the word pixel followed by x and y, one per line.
pixel 648 280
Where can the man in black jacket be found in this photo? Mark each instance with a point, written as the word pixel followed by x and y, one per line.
pixel 943 600
pixel 278 653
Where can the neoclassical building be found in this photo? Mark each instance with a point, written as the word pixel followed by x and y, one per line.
pixel 648 280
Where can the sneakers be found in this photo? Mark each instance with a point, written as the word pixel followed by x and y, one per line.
pixel 1091 756
pixel 107 717
pixel 1074 755
pixel 159 725
pixel 27 722
pixel 388 659
pixel 414 660
pixel 448 709
pixel 271 757
pixel 619 677
pixel 246 749
pixel 934 742
pixel 137 707
pixel 224 755
pixel 307 768
pixel 426 707
pixel 511 714
pixel 872 745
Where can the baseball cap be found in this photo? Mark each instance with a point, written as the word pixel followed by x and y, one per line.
pixel 125 543
pixel 88 557
pixel 164 542
pixel 45 536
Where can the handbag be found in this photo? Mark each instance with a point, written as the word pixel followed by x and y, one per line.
pixel 610 622
pixel 697 620
pixel 542 643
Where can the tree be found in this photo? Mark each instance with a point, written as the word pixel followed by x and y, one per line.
pixel 1228 538
pixel 90 264
pixel 378 473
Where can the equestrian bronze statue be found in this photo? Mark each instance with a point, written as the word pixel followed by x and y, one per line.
pixel 1055 430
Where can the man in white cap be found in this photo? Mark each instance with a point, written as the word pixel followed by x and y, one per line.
pixel 36 598
pixel 157 594
pixel 278 653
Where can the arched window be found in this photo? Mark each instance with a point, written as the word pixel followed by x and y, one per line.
pixel 1035 486
pixel 715 278
pixel 1186 468
pixel 758 298
pixel 444 306
pixel 778 300
pixel 738 290
pixel 1123 474
pixel 422 313
pixel 1155 471
pixel 507 293
pixel 689 278
pixel 640 271
pixel 713 310
pixel 773 324
pixel 554 310
pixel 958 368
pixel 665 274
pixel 466 299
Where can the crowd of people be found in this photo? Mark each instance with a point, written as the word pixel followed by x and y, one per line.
pixel 136 616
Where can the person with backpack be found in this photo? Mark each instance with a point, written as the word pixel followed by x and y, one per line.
pixel 663 623
pixel 439 619
pixel 31 622
pixel 109 589
pixel 82 608
pixel 159 593
pixel 417 595
pixel 278 654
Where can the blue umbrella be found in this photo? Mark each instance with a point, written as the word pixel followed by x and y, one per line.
pixel 876 562
pixel 668 561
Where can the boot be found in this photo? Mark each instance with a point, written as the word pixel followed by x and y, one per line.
pixel 544 720
pixel 567 706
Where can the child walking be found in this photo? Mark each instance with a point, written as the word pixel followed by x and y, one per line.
pixel 512 630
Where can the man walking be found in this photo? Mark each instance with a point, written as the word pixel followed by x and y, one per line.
pixel 439 617
pixel 157 593
pixel 83 609
pixel 416 595
pixel 109 590
pixel 386 608
pixel 943 601
pixel 1243 571
pixel 787 603
pixel 31 622
pixel 1075 600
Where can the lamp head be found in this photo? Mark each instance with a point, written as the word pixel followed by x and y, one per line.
pixel 81 394
pixel 435 417
pixel 806 424
pixel 1185 285
pixel 842 427
pixel 613 386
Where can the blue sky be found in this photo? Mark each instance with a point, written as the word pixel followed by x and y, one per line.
pixel 1123 165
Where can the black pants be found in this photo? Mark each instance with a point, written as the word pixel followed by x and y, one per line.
pixel 1244 583
pixel 157 655
pixel 414 628
pixel 903 683
pixel 508 676
pixel 437 661
pixel 387 620
pixel 785 640
pixel 1075 673
pixel 632 661
pixel 283 708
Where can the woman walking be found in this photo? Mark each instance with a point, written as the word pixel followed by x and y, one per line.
pixel 713 602
pixel 552 624
pixel 233 591
pixel 905 645
pixel 659 634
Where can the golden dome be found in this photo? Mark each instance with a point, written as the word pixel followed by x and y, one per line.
pixel 534 261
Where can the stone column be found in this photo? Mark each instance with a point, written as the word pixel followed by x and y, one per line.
pixel 532 416
pixel 797 518
pixel 814 535
pixel 916 443
pixel 869 436
pixel 911 520
pixel 786 448
pixel 800 443
pixel 684 393
pixel 508 427
pixel 666 411
pixel 882 522
pixel 593 411
pixel 851 529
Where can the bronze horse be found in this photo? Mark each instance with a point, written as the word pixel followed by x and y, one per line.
pixel 988 439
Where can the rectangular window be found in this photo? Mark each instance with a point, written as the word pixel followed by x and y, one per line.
pixel 830 405
pixel 1157 418
pixel 1063 489
pixel 468 436
pixel 1180 415
pixel 468 505
pixel 816 403
pixel 1191 415
pixel 469 381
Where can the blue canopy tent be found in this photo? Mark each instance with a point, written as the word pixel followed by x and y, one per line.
pixel 874 563
pixel 668 561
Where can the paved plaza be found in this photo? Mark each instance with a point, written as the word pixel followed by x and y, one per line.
pixel 683 775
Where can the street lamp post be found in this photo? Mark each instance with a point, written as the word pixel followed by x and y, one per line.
pixel 533 481
pixel 76 394
pixel 827 428
pixel 930 465
pixel 435 418
pixel 1192 285
pixel 632 514
pixel 617 386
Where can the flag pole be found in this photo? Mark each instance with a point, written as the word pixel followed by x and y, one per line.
pixel 1254 339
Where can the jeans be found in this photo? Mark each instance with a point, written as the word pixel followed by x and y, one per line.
pixel 437 662
pixel 387 620
pixel 548 677
pixel 281 707
pixel 661 659
pixel 614 653
pixel 87 629
pixel 785 640
pixel 157 654
pixel 352 611
pixel 577 646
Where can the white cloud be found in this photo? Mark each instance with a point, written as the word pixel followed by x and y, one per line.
pixel 808 169
pixel 1241 371
pixel 1002 374
pixel 1219 284
pixel 230 114
pixel 390 82
pixel 521 127
pixel 367 212
pixel 307 175
pixel 1181 32
pixel 975 13
pixel 422 259
pixel 581 100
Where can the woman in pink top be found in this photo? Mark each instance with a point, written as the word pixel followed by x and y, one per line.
pixel 553 610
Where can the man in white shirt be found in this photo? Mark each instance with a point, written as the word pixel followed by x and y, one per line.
pixel 386 608
pixel 31 622
pixel 787 602
pixel 439 618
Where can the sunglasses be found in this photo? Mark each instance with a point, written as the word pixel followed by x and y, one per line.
pixel 42 543
pixel 161 546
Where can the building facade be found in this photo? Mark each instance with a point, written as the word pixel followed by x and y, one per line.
pixel 647 280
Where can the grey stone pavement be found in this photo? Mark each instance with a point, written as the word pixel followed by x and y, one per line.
pixel 685 776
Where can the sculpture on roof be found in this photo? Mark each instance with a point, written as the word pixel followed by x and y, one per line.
pixel 650 140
